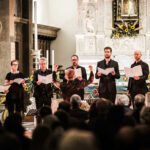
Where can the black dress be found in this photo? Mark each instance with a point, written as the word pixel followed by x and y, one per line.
pixel 15 96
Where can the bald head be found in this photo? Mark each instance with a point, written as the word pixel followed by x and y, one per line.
pixel 137 55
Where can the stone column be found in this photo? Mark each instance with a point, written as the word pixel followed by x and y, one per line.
pixel 6 37
pixel 147 4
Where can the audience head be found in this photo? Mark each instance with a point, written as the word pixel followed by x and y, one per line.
pixel 77 140
pixel 92 111
pixel 52 122
pixel 139 101
pixel 39 137
pixel 75 101
pixel 124 139
pixel 142 137
pixel 103 106
pixel 145 115
pixel 63 118
pixel 70 74
pixel 9 141
pixel 147 100
pixel 122 100
pixel 64 105
pixel 44 111
pixel 13 124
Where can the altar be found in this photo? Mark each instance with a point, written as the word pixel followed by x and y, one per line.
pixel 95 28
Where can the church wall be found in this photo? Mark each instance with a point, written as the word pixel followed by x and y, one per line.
pixel 67 15
pixel 61 14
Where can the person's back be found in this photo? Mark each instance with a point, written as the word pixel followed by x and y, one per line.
pixel 73 85
pixel 123 100
pixel 13 124
pixel 139 102
pixel 75 66
pixel 76 112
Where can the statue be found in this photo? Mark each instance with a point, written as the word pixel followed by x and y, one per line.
pixel 89 22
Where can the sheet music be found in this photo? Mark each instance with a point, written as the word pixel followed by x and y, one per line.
pixel 105 71
pixel 78 72
pixel 45 79
pixel 135 71
pixel 4 88
pixel 18 80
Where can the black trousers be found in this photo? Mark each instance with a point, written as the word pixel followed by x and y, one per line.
pixel 42 101
pixel 14 105
pixel 109 96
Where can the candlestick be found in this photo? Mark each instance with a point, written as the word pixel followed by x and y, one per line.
pixel 47 57
pixel 35 27
pixel 52 60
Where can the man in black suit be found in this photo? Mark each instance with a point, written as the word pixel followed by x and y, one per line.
pixel 75 65
pixel 137 84
pixel 107 84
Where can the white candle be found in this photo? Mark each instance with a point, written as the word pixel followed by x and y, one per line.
pixel 35 27
pixel 47 57
pixel 52 59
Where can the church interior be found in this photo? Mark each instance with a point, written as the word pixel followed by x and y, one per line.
pixel 56 31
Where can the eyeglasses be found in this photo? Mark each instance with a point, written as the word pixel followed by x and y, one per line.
pixel 15 64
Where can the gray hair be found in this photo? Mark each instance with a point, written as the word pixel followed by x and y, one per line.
pixel 43 59
pixel 139 99
pixel 75 100
pixel 122 100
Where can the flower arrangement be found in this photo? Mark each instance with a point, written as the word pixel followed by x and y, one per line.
pixel 125 78
pixel 28 86
pixel 125 29
pixel 2 99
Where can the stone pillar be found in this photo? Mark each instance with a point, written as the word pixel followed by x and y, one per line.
pixel 6 37
pixel 147 2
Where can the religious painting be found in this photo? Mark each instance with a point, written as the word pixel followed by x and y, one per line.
pixel 127 9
